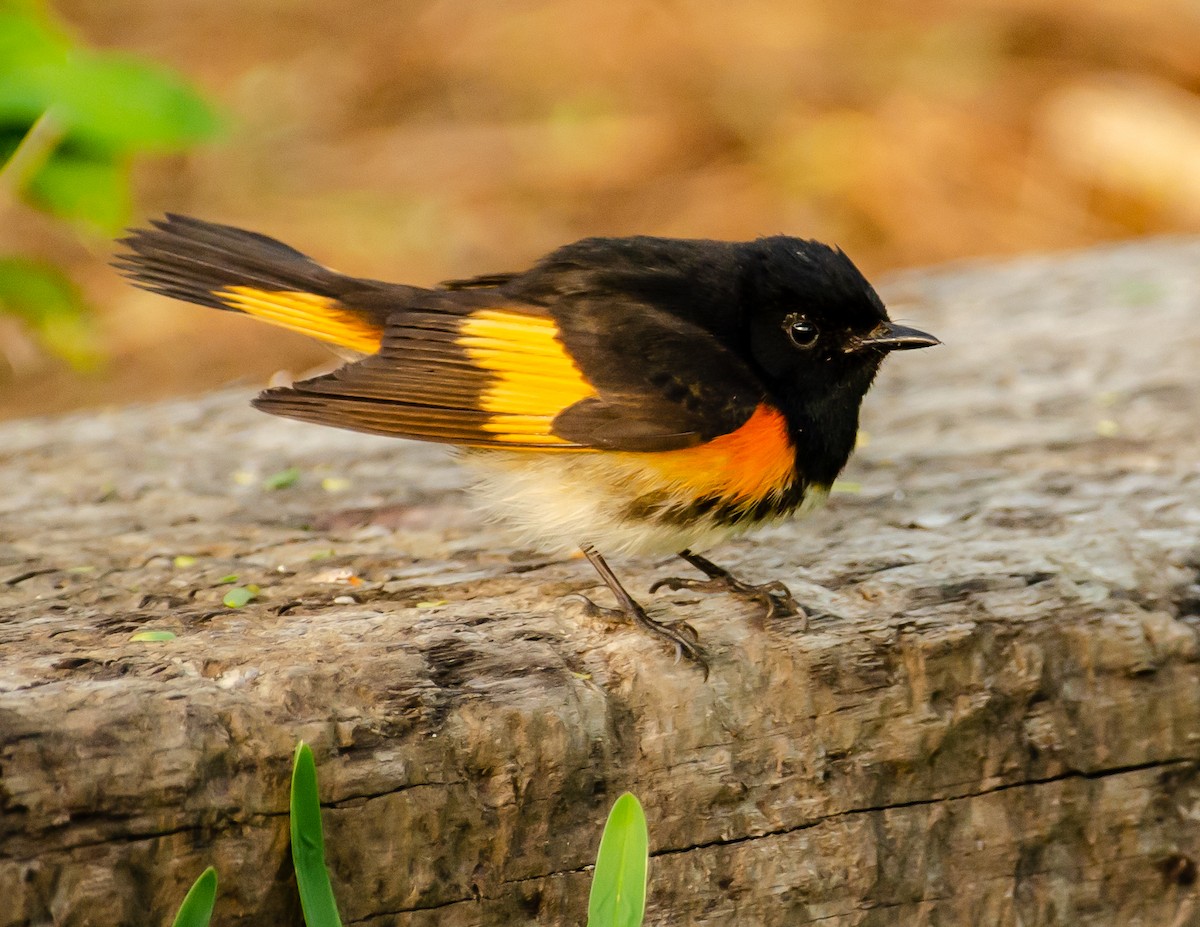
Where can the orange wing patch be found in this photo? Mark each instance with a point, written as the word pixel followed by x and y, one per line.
pixel 534 378
pixel 307 313
pixel 745 465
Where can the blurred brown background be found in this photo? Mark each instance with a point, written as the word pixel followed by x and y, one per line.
pixel 427 139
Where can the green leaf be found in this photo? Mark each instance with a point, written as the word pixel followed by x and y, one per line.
pixel 27 92
pixel 308 844
pixel 84 186
pixel 28 37
pixel 42 297
pixel 197 907
pixel 106 100
pixel 283 479
pixel 152 636
pixel 618 897
pixel 36 291
pixel 124 105
pixel 239 596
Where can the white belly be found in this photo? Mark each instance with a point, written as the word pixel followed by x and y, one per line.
pixel 559 501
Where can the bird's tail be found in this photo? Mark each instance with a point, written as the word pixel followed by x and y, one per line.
pixel 229 268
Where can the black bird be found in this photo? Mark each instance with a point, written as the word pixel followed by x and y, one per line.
pixel 626 394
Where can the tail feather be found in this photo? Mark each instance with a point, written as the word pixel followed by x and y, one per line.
pixel 189 259
pixel 229 268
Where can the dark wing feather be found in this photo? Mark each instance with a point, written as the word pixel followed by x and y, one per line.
pixel 651 383
pixel 482 282
pixel 430 379
pixel 661 382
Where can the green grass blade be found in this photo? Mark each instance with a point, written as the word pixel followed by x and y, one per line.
pixel 618 897
pixel 308 844
pixel 197 907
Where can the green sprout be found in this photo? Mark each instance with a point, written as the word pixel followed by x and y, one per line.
pixel 197 907
pixel 618 897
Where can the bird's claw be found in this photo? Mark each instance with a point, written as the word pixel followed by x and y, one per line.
pixel 592 610
pixel 774 596
pixel 680 634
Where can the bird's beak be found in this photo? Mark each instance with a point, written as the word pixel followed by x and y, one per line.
pixel 892 337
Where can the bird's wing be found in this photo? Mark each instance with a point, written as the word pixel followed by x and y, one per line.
pixel 456 368
pixel 567 357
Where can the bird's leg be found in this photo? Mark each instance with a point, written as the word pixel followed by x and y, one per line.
pixel 775 596
pixel 681 634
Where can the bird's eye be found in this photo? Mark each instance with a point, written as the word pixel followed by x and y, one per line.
pixel 802 332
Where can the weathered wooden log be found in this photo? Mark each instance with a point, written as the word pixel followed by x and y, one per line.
pixel 993 717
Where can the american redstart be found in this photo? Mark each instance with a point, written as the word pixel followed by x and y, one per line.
pixel 633 394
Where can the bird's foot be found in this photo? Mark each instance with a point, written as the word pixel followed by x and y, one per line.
pixel 774 596
pixel 679 633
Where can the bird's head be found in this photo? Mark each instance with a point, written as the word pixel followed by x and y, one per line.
pixel 817 327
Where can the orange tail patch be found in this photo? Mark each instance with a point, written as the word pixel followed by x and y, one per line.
pixel 318 317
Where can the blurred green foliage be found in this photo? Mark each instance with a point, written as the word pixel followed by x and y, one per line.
pixel 50 305
pixel 71 122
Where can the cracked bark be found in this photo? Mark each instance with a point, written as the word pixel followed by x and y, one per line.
pixel 994 717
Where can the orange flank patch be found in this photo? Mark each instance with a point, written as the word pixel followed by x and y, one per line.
pixel 307 313
pixel 534 378
pixel 747 464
